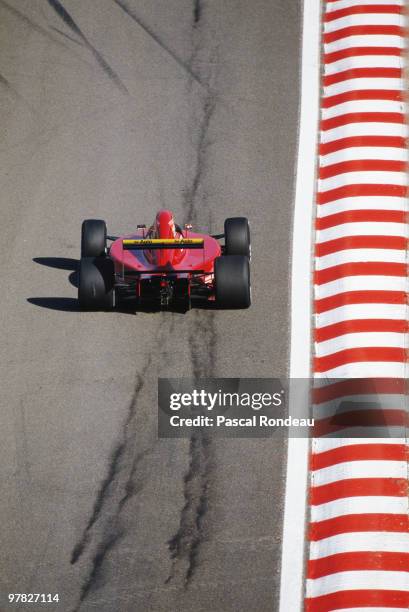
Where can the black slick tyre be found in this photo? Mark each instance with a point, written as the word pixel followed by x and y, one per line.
pixel 93 238
pixel 96 283
pixel 237 236
pixel 232 281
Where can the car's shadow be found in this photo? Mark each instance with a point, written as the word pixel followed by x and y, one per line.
pixel 71 304
pixel 55 303
pixel 61 263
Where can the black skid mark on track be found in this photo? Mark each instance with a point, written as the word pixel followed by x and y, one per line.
pixel 65 16
pixel 30 23
pixel 113 532
pixel 5 82
pixel 203 344
pixel 148 30
pixel 114 469
pixel 192 527
pixel 93 578
pixel 103 493
pixel 69 21
pixel 197 11
pixel 132 487
pixel 71 38
pixel 107 507
pixel 184 546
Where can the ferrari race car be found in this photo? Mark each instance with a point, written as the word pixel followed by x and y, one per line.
pixel 164 265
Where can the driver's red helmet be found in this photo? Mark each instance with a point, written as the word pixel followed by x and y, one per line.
pixel 164 226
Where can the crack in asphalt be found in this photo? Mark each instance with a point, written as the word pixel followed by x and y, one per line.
pixel 148 30
pixel 69 21
pixel 185 545
pixel 207 106
pixel 191 193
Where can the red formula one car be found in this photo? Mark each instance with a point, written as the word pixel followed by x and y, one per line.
pixel 164 266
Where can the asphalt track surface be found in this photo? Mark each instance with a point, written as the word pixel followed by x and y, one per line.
pixel 114 109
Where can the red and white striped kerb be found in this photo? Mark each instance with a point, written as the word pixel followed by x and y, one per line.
pixel 358 557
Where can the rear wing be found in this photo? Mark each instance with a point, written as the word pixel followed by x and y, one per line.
pixel 130 244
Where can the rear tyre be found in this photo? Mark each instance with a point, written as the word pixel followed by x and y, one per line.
pixel 96 283
pixel 232 281
pixel 93 238
pixel 237 236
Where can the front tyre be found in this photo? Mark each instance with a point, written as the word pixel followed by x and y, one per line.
pixel 96 283
pixel 93 238
pixel 237 236
pixel 232 281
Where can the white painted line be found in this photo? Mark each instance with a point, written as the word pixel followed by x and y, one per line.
pixel 292 559
pixel 361 283
pixel 368 177
pixel 341 4
pixel 364 61
pixel 360 402
pixel 359 255
pixel 362 228
pixel 363 83
pixel 381 541
pixel 365 580
pixel 361 203
pixel 364 106
pixel 364 129
pixel 359 505
pixel 359 311
pixel 363 19
pixel 359 469
pixel 370 40
pixel 366 369
pixel 354 153
pixel 360 340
